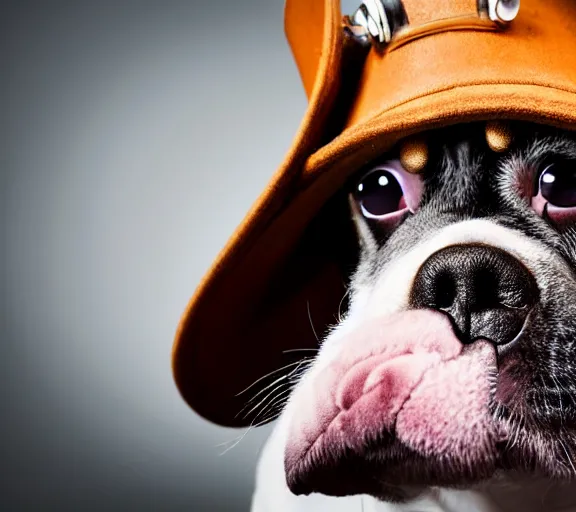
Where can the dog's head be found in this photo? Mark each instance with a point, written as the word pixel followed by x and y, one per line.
pixel 456 357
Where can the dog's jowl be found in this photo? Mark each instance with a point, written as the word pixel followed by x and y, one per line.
pixel 455 364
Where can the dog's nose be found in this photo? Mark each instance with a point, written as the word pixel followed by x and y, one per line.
pixel 486 292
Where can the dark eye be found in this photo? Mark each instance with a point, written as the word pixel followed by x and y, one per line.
pixel 558 184
pixel 379 193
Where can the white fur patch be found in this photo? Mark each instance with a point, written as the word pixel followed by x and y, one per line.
pixel 391 291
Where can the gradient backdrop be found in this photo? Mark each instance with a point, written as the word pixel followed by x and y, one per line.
pixel 134 135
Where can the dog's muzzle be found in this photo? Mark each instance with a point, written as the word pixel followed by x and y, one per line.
pixel 409 399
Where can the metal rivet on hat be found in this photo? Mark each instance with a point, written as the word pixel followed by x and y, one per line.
pixel 500 11
pixel 377 20
pixel 498 135
pixel 414 154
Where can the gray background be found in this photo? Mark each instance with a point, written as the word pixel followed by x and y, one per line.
pixel 134 135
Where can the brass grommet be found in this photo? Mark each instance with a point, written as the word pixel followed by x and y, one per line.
pixel 498 136
pixel 414 154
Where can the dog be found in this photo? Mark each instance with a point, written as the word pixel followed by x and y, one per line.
pixel 449 383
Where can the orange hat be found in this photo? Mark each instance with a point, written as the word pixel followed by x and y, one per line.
pixel 424 64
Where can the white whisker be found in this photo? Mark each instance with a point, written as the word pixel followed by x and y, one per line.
pixel 277 381
pixel 235 442
pixel 269 394
pixel 311 323
pixel 275 410
pixel 339 313
pixel 278 400
pixel 567 456
pixel 267 375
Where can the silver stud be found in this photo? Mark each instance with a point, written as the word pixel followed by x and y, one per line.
pixel 500 11
pixel 370 20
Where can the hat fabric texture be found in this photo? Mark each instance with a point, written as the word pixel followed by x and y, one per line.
pixel 281 279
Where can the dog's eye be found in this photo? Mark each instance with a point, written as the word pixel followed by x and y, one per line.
pixel 387 192
pixel 555 194
pixel 558 184
pixel 379 194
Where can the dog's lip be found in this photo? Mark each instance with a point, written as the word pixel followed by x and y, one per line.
pixel 386 456
pixel 377 358
pixel 319 456
pixel 317 452
pixel 381 471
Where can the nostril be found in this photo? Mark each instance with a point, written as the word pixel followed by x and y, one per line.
pixel 444 291
pixel 485 289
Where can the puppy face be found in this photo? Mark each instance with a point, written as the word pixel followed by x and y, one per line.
pixel 456 359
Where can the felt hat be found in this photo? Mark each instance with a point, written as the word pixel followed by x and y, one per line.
pixel 371 80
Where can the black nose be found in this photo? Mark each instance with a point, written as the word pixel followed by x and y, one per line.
pixel 485 291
